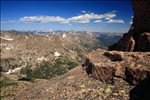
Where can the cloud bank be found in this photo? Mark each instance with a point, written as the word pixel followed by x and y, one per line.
pixel 115 21
pixel 42 19
pixel 83 18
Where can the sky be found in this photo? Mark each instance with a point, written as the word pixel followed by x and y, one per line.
pixel 77 15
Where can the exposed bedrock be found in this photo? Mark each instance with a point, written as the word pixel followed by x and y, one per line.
pixel 130 66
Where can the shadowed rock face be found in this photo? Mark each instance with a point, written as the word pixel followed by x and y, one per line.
pixel 141 91
pixel 133 67
pixel 141 21
pixel 138 37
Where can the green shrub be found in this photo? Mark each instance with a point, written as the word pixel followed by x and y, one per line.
pixel 5 84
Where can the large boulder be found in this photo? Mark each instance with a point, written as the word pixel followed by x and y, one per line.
pixel 106 65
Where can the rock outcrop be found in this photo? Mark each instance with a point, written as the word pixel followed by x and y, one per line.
pixel 76 85
pixel 130 66
pixel 138 37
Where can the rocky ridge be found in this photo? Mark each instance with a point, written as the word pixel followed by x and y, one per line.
pixel 21 48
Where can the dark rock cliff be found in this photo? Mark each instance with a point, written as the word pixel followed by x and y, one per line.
pixel 138 36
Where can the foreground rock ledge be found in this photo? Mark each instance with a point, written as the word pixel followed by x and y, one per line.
pixel 103 65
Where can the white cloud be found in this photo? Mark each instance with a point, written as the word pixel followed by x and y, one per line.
pixel 131 22
pixel 98 21
pixel 107 18
pixel 42 19
pixel 85 17
pixel 115 21
pixel 83 21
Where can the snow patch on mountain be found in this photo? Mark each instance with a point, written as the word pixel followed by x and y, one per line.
pixel 42 59
pixel 8 39
pixel 47 35
pixel 64 35
pixel 56 54
pixel 26 37
pixel 16 69
pixel 89 33
pixel 7 48
pixel 71 51
pixel 13 70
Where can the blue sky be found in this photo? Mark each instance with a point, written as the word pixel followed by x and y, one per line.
pixel 80 15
